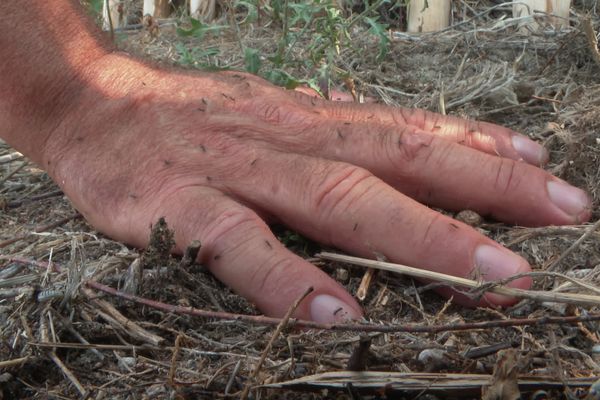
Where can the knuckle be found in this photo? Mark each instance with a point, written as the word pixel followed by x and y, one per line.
pixel 505 180
pixel 412 148
pixel 430 232
pixel 341 187
pixel 412 116
pixel 282 108
pixel 272 275
pixel 238 222
pixel 271 112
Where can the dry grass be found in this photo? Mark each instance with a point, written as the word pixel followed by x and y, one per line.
pixel 545 85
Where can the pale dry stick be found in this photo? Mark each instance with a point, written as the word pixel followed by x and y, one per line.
pixel 69 326
pixel 174 359
pixel 25 200
pixel 544 274
pixel 219 371
pixel 39 229
pixel 16 292
pixel 587 359
pixel 365 282
pixel 10 157
pixel 232 377
pixel 574 246
pixel 344 327
pixel 12 173
pixel 15 362
pixel 569 298
pixel 523 234
pixel 49 269
pixel 51 324
pixel 263 356
pixel 18 280
pixel 590 34
pixel 70 376
pixel 444 384
pixel 133 329
pixel 136 349
pixel 391 90
pixel 52 353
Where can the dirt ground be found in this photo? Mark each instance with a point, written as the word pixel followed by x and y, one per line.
pixel 545 84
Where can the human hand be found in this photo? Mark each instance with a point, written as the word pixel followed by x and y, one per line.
pixel 219 154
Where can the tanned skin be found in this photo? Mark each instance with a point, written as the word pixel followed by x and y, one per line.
pixel 218 154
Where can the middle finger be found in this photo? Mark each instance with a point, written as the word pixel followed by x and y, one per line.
pixel 347 207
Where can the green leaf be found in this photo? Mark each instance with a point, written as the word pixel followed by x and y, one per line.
pixel 282 78
pixel 251 8
pixel 96 6
pixel 251 60
pixel 379 30
pixel 198 29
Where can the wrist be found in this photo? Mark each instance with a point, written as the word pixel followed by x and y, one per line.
pixel 45 48
pixel 101 94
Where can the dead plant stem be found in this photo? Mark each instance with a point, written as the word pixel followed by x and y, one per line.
pixel 345 327
pixel 282 324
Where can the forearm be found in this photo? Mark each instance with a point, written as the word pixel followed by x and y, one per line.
pixel 46 48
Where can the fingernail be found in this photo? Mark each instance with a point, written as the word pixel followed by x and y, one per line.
pixel 570 199
pixel 495 263
pixel 530 151
pixel 328 309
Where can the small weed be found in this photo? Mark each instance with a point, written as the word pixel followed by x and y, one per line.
pixel 201 58
pixel 252 60
pixel 95 6
pixel 296 242
pixel 323 30
pixel 312 37
pixel 199 29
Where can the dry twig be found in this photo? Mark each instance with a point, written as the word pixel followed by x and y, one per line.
pixel 15 362
pixel 446 385
pixel 10 157
pixel 354 327
pixel 52 353
pixel 569 298
pixel 282 324
pixel 593 228
pixel 119 321
pixel 590 34
pixel 39 229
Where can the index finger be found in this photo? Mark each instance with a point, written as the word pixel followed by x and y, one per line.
pixel 483 136
pixel 346 206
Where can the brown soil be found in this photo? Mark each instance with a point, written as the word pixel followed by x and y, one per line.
pixel 545 84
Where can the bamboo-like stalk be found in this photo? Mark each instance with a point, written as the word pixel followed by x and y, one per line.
pixel 558 8
pixel 428 15
pixel 157 8
pixel 203 9
pixel 114 14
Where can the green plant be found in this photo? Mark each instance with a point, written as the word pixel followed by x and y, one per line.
pixel 201 58
pixel 323 25
pixel 199 29
pixel 96 5
pixel 313 34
